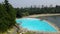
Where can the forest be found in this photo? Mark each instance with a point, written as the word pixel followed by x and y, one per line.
pixel 36 10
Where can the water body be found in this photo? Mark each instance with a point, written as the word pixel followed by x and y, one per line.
pixel 53 19
pixel 34 24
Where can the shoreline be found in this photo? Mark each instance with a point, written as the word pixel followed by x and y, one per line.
pixel 38 15
pixel 34 16
pixel 55 27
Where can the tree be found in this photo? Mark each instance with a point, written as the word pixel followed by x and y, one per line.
pixel 7 16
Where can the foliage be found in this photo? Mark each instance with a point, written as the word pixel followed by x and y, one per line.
pixel 7 16
pixel 37 10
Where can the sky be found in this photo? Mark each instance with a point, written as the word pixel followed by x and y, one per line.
pixel 28 3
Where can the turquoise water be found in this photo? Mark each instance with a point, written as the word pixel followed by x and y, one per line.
pixel 35 24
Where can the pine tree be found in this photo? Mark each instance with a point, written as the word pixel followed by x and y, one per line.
pixel 11 14
pixel 7 16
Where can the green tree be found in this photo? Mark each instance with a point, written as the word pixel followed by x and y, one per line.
pixel 7 16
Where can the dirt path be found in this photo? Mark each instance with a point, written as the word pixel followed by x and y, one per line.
pixel 37 15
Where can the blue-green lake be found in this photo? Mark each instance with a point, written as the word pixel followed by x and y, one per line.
pixel 35 24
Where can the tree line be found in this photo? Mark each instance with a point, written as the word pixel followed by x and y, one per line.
pixel 36 10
